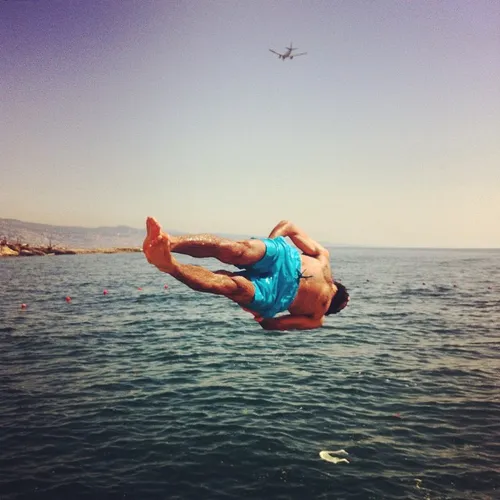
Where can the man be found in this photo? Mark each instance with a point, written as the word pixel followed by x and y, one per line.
pixel 275 276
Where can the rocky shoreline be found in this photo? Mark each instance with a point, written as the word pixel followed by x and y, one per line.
pixel 24 250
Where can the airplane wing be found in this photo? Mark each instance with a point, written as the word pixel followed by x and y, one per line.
pixel 301 54
pixel 277 53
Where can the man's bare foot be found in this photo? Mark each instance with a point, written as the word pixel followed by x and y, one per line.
pixel 156 246
pixel 153 230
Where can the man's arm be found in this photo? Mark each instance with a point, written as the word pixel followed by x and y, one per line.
pixel 303 242
pixel 290 322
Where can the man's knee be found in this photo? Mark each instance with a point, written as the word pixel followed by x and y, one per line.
pixel 243 292
pixel 233 252
pixel 243 252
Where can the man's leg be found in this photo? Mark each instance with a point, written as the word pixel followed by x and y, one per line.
pixel 234 287
pixel 157 248
pixel 239 253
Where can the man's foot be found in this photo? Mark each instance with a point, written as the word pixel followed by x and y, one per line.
pixel 156 247
pixel 153 230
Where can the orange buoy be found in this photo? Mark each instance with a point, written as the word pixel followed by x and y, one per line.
pixel 68 299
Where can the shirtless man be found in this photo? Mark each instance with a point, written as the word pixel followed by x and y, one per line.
pixel 275 276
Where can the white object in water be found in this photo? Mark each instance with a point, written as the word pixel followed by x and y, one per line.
pixel 327 455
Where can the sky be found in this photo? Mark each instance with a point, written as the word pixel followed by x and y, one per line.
pixel 387 133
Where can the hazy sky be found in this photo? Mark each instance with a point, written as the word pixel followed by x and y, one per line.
pixel 386 133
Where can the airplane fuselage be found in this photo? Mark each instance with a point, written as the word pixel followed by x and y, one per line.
pixel 288 53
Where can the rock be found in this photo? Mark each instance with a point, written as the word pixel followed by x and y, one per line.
pixel 38 251
pixel 6 251
pixel 59 251
pixel 25 250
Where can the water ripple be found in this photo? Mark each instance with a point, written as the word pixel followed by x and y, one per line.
pixel 164 393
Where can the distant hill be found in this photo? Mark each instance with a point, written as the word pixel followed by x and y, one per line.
pixel 32 233
pixel 70 236
pixel 82 237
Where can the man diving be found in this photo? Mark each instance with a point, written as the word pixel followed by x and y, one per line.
pixel 274 276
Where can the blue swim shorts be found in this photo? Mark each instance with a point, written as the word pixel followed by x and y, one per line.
pixel 275 277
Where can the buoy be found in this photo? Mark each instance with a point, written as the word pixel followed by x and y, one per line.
pixel 165 286
pixel 68 299
pixel 139 288
pixel 23 306
pixel 105 292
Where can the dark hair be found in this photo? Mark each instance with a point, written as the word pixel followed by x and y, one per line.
pixel 339 300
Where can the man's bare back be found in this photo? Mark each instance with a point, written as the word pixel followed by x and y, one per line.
pixel 315 288
pixel 307 295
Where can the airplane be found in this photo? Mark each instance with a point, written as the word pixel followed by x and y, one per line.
pixel 288 54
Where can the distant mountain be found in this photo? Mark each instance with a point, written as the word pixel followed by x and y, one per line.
pixel 83 237
pixel 70 236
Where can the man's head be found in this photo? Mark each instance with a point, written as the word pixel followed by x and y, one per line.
pixel 340 299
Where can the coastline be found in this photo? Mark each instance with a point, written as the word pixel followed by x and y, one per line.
pixel 24 250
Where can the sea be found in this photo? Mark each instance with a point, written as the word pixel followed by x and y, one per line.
pixel 139 388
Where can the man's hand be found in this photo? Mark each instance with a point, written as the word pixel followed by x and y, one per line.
pixel 290 322
pixel 281 229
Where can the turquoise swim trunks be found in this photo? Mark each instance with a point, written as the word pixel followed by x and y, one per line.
pixel 275 277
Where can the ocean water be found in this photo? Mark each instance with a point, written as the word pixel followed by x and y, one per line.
pixel 171 394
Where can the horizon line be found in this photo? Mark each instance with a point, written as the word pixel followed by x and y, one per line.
pixel 324 243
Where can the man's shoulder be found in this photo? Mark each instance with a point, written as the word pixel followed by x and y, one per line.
pixel 324 251
pixel 323 257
